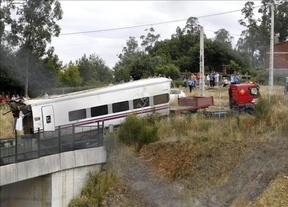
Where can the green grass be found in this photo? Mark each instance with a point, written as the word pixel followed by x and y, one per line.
pixel 97 185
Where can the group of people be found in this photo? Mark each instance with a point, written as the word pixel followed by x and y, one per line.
pixel 191 81
pixel 213 79
pixel 235 78
pixel 7 99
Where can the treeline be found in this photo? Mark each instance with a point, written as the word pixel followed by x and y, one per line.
pixel 28 67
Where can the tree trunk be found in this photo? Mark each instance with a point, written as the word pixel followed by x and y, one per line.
pixel 27 77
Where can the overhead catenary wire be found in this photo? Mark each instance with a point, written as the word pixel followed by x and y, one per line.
pixel 149 24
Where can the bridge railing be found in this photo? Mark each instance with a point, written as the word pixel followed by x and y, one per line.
pixel 63 139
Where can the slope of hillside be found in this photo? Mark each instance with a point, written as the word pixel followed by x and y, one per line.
pixel 185 174
pixel 249 172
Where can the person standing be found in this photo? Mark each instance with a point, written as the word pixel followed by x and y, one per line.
pixel 217 79
pixel 237 78
pixel 224 82
pixel 7 100
pixel 233 78
pixel 185 82
pixel 208 79
pixel 191 85
pixel 211 79
pixel 13 98
pixel 197 79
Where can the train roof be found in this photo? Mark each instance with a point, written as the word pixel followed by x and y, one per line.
pixel 95 91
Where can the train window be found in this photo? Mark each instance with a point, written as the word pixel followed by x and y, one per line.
pixel 140 102
pixel 161 99
pixel 76 115
pixel 99 110
pixel 120 106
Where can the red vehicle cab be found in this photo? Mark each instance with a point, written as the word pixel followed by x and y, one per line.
pixel 243 97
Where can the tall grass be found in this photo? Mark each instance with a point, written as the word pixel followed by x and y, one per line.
pixel 97 186
pixel 271 116
pixel 139 131
pixel 6 122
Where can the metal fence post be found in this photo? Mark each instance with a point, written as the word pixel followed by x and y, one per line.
pixel 59 139
pixel 73 135
pixel 16 146
pixel 39 144
pixel 101 134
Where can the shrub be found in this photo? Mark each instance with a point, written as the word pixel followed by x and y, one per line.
pixel 139 131
pixel 263 108
pixel 129 130
pixel 147 135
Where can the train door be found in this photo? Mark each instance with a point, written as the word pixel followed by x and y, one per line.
pixel 48 118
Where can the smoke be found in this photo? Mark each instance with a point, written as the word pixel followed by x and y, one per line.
pixel 14 67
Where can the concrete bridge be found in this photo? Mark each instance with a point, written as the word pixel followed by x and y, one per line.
pixel 48 169
pixel 50 181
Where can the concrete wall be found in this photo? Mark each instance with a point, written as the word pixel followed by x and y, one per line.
pixel 68 184
pixel 34 192
pixel 50 181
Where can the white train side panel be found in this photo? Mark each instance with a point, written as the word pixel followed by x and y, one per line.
pixel 110 104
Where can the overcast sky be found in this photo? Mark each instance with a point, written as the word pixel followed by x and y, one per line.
pixel 98 16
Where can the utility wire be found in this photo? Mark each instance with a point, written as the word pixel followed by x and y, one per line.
pixel 145 25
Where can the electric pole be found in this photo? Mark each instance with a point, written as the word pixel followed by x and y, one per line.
pixel 271 59
pixel 202 74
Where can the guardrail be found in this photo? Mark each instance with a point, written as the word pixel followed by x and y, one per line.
pixel 31 146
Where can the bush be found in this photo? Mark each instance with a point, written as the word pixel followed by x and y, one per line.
pixel 129 130
pixel 263 108
pixel 148 135
pixel 139 131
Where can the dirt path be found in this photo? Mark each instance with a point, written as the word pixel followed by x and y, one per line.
pixel 154 189
pixel 143 186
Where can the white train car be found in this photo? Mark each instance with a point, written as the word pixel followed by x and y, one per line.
pixel 109 104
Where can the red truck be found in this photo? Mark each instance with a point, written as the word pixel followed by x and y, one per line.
pixel 243 97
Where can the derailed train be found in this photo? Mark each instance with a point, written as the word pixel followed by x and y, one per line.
pixel 110 104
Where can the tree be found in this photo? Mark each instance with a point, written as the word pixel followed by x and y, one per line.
pixel 223 36
pixel 10 80
pixel 233 66
pixel 69 75
pixel 129 54
pixel 7 56
pixel 52 62
pixel 5 16
pixel 144 66
pixel 250 37
pixel 93 69
pixel 192 26
pixel 149 41
pixel 169 70
pixel 281 16
pixel 33 28
pixel 256 35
